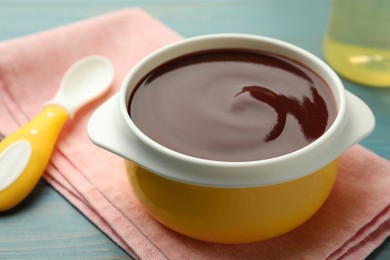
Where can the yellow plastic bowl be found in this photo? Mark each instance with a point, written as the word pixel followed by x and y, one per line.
pixel 230 202
pixel 232 215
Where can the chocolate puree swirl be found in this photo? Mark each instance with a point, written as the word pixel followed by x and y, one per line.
pixel 233 105
pixel 306 112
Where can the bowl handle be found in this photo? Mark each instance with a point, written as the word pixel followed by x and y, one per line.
pixel 361 121
pixel 107 129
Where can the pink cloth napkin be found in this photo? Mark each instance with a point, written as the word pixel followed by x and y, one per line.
pixel 351 224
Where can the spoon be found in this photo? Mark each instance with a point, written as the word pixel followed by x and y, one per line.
pixel 25 154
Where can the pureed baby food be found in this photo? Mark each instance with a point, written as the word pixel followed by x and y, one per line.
pixel 232 105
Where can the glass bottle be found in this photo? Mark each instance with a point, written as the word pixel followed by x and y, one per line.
pixel 357 42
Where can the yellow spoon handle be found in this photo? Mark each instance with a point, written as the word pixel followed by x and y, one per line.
pixel 25 154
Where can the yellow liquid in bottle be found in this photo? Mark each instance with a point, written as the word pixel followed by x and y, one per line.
pixel 367 66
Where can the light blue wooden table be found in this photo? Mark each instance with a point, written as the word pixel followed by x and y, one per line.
pixel 46 225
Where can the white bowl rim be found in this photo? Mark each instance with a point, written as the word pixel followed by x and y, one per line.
pixel 333 129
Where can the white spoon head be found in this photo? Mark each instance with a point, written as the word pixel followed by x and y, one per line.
pixel 84 81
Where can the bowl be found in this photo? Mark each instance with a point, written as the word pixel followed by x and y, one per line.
pixel 230 202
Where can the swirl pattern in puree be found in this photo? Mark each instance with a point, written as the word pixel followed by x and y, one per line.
pixel 232 105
